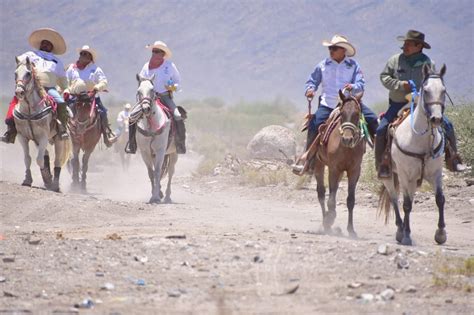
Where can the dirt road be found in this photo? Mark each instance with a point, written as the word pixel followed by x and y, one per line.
pixel 220 248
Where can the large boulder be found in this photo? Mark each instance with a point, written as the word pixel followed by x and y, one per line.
pixel 268 142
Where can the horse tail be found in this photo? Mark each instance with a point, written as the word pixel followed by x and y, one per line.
pixel 384 206
pixel 67 152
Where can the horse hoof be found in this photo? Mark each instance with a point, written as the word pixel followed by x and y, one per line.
pixel 167 200
pixel 353 235
pixel 406 241
pixel 154 200
pixel 440 236
pixel 26 183
pixel 399 236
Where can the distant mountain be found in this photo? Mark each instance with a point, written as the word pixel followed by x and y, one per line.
pixel 243 50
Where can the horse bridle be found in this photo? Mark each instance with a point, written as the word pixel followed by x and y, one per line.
pixel 23 84
pixel 427 104
pixel 354 129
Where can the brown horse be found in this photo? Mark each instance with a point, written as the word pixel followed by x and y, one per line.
pixel 85 130
pixel 343 153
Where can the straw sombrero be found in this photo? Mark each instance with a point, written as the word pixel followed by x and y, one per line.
pixel 341 41
pixel 90 51
pixel 161 45
pixel 59 45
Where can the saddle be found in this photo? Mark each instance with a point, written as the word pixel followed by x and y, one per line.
pixel 392 127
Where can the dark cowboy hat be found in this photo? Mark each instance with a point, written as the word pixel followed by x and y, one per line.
pixel 415 36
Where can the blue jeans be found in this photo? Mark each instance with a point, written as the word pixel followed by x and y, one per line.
pixel 55 94
pixel 323 113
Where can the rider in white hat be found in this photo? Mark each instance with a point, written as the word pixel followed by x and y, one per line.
pixel 50 71
pixel 122 119
pixel 85 70
pixel 335 73
pixel 166 81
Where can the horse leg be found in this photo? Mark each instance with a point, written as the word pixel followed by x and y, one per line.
pixel 85 167
pixel 43 162
pixel 334 177
pixel 407 205
pixel 173 158
pixel 158 163
pixel 58 151
pixel 321 189
pixel 440 235
pixel 75 167
pixel 27 159
pixel 353 178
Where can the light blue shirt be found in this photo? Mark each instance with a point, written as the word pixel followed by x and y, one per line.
pixel 333 76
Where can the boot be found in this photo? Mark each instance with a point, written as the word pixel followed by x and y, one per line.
pixel 131 146
pixel 297 167
pixel 10 134
pixel 180 136
pixel 107 134
pixel 383 170
pixel 63 117
pixel 452 158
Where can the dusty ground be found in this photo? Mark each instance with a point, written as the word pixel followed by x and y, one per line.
pixel 220 248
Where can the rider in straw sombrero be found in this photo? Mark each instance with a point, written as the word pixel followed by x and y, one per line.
pixel 166 81
pixel 50 71
pixel 84 76
pixel 334 73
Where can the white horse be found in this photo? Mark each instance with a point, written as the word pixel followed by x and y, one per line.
pixel 34 121
pixel 417 154
pixel 152 138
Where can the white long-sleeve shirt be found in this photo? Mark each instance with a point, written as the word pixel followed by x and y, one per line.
pixel 333 76
pixel 50 69
pixel 167 71
pixel 92 75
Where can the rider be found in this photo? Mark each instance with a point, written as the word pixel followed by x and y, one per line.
pixel 335 73
pixel 122 119
pixel 86 71
pixel 399 69
pixel 50 72
pixel 166 81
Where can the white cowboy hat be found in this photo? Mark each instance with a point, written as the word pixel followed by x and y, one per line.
pixel 341 41
pixel 128 106
pixel 161 45
pixel 90 51
pixel 59 45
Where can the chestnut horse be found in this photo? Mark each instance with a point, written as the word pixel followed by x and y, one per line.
pixel 85 130
pixel 343 153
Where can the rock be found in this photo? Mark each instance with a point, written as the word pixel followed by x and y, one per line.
pixel 402 261
pixel 142 259
pixel 257 259
pixel 449 301
pixel 86 303
pixel 8 259
pixel 382 249
pixel 174 293
pixel 9 294
pixel 99 274
pixel 410 289
pixel 107 286
pixel 366 297
pixel 293 289
pixel 33 240
pixel 354 285
pixel 2 279
pixel 176 236
pixel 387 294
pixel 273 142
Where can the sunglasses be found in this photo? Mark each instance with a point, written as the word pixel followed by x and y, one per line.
pixel 334 47
pixel 157 51
pixel 85 53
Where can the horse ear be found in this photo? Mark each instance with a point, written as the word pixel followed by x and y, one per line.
pixel 341 96
pixel 152 78
pixel 28 63
pixel 139 78
pixel 359 95
pixel 17 60
pixel 443 70
pixel 426 70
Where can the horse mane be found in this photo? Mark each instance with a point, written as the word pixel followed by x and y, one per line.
pixel 41 91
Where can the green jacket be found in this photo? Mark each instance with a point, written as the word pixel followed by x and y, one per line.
pixel 402 68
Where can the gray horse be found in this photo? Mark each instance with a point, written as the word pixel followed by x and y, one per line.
pixel 417 154
pixel 152 139
pixel 35 122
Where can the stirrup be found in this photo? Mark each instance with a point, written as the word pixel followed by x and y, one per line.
pixel 129 150
pixel 63 135
pixel 383 172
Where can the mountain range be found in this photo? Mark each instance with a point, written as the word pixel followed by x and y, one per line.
pixel 243 50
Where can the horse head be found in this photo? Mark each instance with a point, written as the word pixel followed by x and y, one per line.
pixel 350 116
pixel 433 94
pixel 145 94
pixel 24 78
